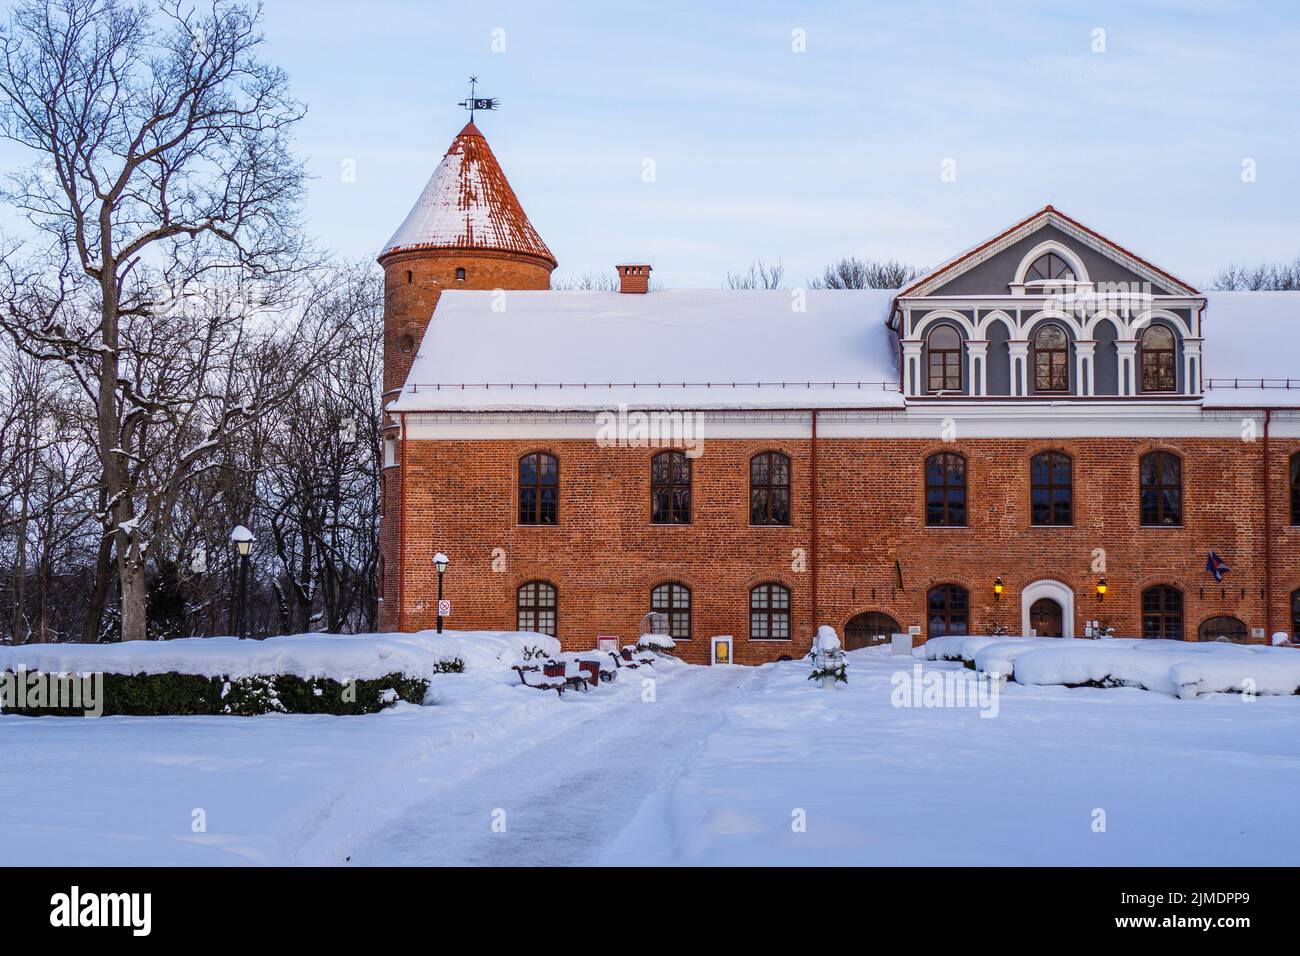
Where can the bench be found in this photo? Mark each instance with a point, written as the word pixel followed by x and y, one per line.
pixel 540 680
pixel 570 672
pixel 629 654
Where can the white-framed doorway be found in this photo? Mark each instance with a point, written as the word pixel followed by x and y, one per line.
pixel 1050 590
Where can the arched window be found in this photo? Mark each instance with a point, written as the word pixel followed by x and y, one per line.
pixel 943 352
pixel 769 488
pixel 1295 488
pixel 670 488
pixel 536 608
pixel 1051 489
pixel 1162 613
pixel 868 629
pixel 539 489
pixel 1223 629
pixel 769 613
pixel 1161 489
pixel 1157 360
pixel 1051 359
pixel 945 490
pixel 674 600
pixel 947 610
pixel 1050 268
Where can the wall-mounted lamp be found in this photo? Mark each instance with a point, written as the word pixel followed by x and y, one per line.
pixel 997 588
pixel 1101 589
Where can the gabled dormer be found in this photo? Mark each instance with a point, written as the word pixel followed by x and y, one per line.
pixel 1049 309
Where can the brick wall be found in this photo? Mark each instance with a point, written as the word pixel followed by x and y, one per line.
pixel 604 556
pixel 413 281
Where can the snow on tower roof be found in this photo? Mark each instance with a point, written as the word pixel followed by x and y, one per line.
pixel 468 204
pixel 678 348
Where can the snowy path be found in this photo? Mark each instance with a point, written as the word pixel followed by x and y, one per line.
pixel 565 794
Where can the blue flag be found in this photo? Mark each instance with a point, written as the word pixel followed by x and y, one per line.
pixel 1216 566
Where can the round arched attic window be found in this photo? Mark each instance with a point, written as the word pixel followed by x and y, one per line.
pixel 407 343
pixel 1050 267
pixel 460 275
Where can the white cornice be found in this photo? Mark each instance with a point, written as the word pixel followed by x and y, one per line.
pixel 933 420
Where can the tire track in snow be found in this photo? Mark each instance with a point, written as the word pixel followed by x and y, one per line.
pixel 566 795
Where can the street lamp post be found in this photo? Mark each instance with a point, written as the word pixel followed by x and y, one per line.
pixel 243 540
pixel 440 562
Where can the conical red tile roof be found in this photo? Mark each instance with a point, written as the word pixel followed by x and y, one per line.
pixel 468 204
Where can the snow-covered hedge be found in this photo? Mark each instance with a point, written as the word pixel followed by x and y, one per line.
pixel 174 694
pixel 302 673
pixel 339 657
pixel 1179 668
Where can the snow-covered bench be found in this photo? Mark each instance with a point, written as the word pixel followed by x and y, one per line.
pixel 572 673
pixel 631 654
pixel 531 675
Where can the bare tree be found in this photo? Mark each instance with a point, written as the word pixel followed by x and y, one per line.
pixel 1280 276
pixel 759 276
pixel 587 282
pixel 163 162
pixel 47 490
pixel 855 273
pixel 319 486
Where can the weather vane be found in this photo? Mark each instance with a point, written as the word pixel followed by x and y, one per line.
pixel 473 102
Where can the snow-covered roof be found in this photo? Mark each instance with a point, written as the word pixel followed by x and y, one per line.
pixel 701 348
pixel 677 348
pixel 1252 348
pixel 468 204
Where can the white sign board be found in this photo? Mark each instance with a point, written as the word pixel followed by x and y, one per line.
pixel 444 608
pixel 721 647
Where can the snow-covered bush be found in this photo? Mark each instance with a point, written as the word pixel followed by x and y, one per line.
pixel 829 665
pixel 1179 668
pixel 173 694
pixel 655 642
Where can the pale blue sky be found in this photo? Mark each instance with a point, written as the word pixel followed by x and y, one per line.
pixel 806 157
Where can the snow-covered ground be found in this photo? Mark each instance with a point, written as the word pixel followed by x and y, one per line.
pixel 717 765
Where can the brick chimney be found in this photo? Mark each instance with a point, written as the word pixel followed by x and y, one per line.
pixel 633 277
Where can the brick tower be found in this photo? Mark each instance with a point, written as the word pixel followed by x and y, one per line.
pixel 466 231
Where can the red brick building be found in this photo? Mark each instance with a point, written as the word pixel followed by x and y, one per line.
pixel 1042 415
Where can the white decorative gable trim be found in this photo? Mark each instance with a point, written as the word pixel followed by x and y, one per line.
pixel 962 264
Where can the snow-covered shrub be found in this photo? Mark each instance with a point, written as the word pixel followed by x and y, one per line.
pixel 173 694
pixel 655 642
pixel 451 665
pixel 251 696
pixel 534 653
pixel 1183 669
pixel 828 661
